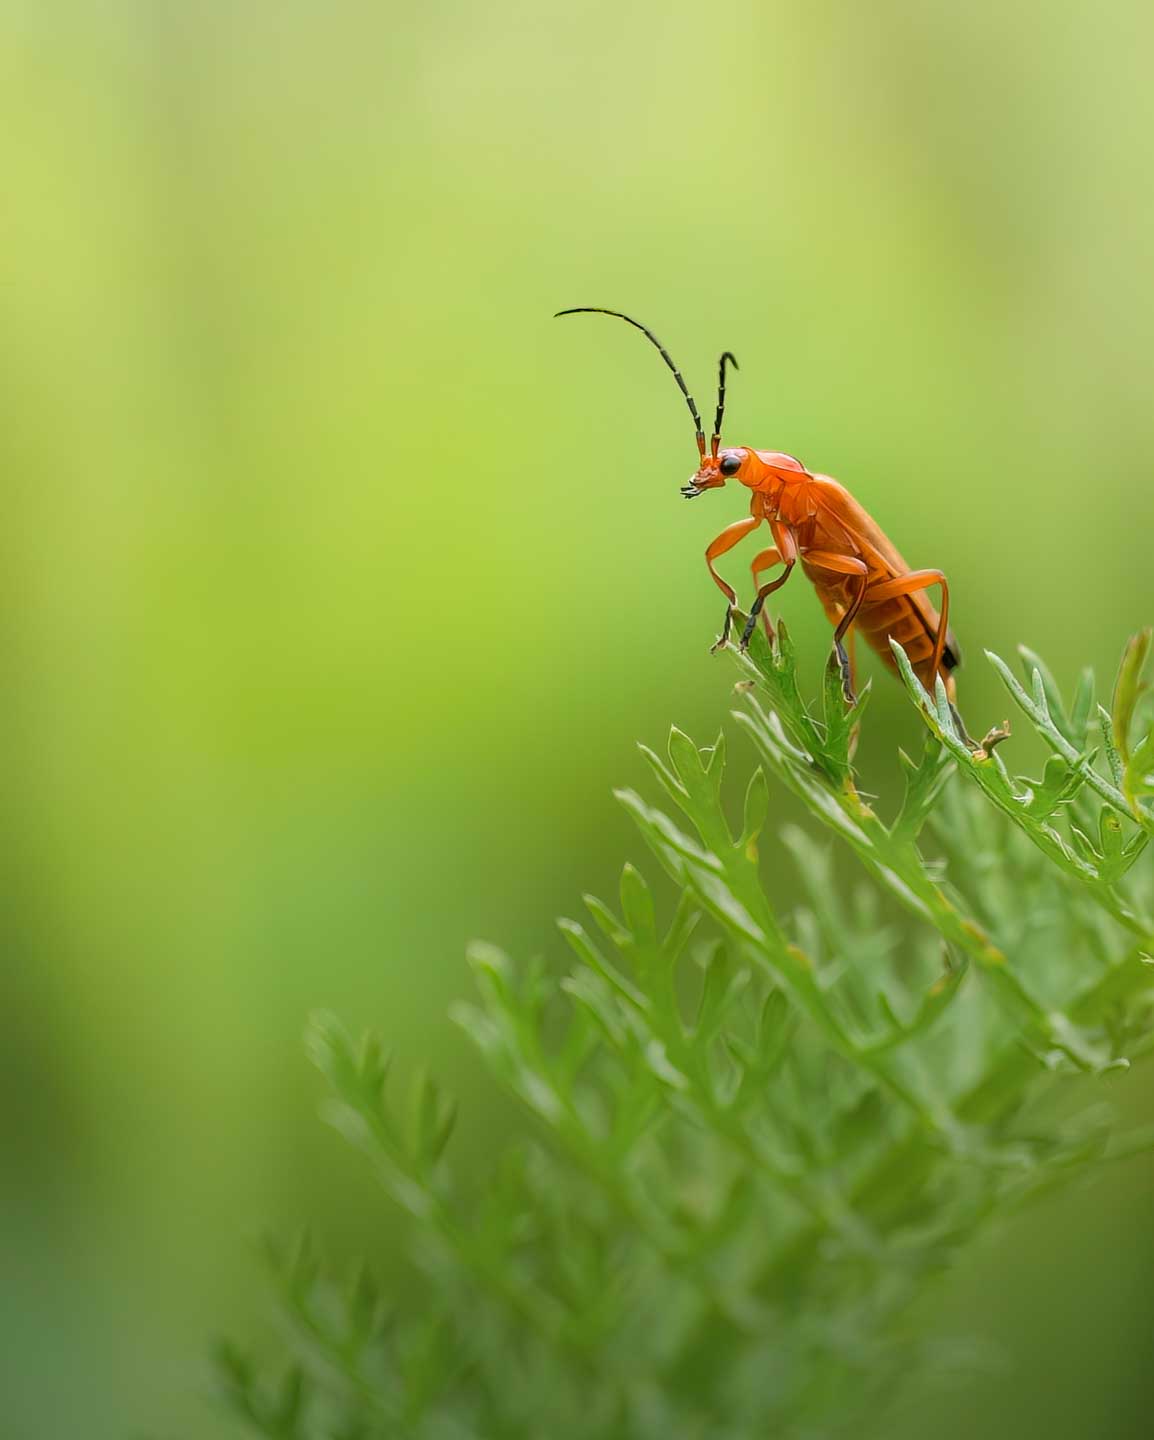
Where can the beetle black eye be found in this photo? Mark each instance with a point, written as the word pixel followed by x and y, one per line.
pixel 730 464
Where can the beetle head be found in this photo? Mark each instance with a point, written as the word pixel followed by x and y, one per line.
pixel 716 469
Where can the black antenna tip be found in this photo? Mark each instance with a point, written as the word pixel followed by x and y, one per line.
pixel 725 355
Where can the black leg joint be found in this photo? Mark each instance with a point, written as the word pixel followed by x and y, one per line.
pixel 723 639
pixel 846 677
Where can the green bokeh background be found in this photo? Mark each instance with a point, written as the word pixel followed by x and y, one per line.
pixel 338 579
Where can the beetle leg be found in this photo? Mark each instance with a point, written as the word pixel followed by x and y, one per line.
pixel 765 561
pixel 847 659
pixel 909 585
pixel 845 665
pixel 857 570
pixel 728 538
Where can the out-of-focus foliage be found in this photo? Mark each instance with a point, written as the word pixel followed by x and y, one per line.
pixel 751 1140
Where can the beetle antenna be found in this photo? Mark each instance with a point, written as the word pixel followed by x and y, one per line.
pixel 726 356
pixel 649 335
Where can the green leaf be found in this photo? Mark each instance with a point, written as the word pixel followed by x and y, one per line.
pixel 607 922
pixel 1109 744
pixel 669 780
pixel 637 906
pixel 1046 693
pixel 722 986
pixel 818 1143
pixel 669 843
pixel 585 950
pixel 774 1029
pixel 1127 689
pixel 774 673
pixel 1059 784
pixel 1082 709
pixel 1138 775
pixel 924 783
pixel 933 1005
pixel 682 927
pixel 699 783
pixel 715 759
pixel 659 1063
pixel 755 812
pixel 841 720
pixel 591 992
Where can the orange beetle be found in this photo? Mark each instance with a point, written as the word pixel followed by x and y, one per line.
pixel 864 585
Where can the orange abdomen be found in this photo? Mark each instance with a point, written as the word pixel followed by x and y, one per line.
pixel 909 619
pixel 914 629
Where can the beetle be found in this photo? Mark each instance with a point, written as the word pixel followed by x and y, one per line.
pixel 862 581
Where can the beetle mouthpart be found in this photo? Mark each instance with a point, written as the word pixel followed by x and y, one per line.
pixel 705 479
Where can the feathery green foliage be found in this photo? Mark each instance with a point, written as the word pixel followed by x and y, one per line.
pixel 751 1139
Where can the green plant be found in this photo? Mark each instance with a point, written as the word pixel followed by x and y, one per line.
pixel 751 1139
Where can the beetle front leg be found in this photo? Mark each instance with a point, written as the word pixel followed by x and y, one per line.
pixel 728 538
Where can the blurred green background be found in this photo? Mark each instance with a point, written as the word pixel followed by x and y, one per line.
pixel 338 579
